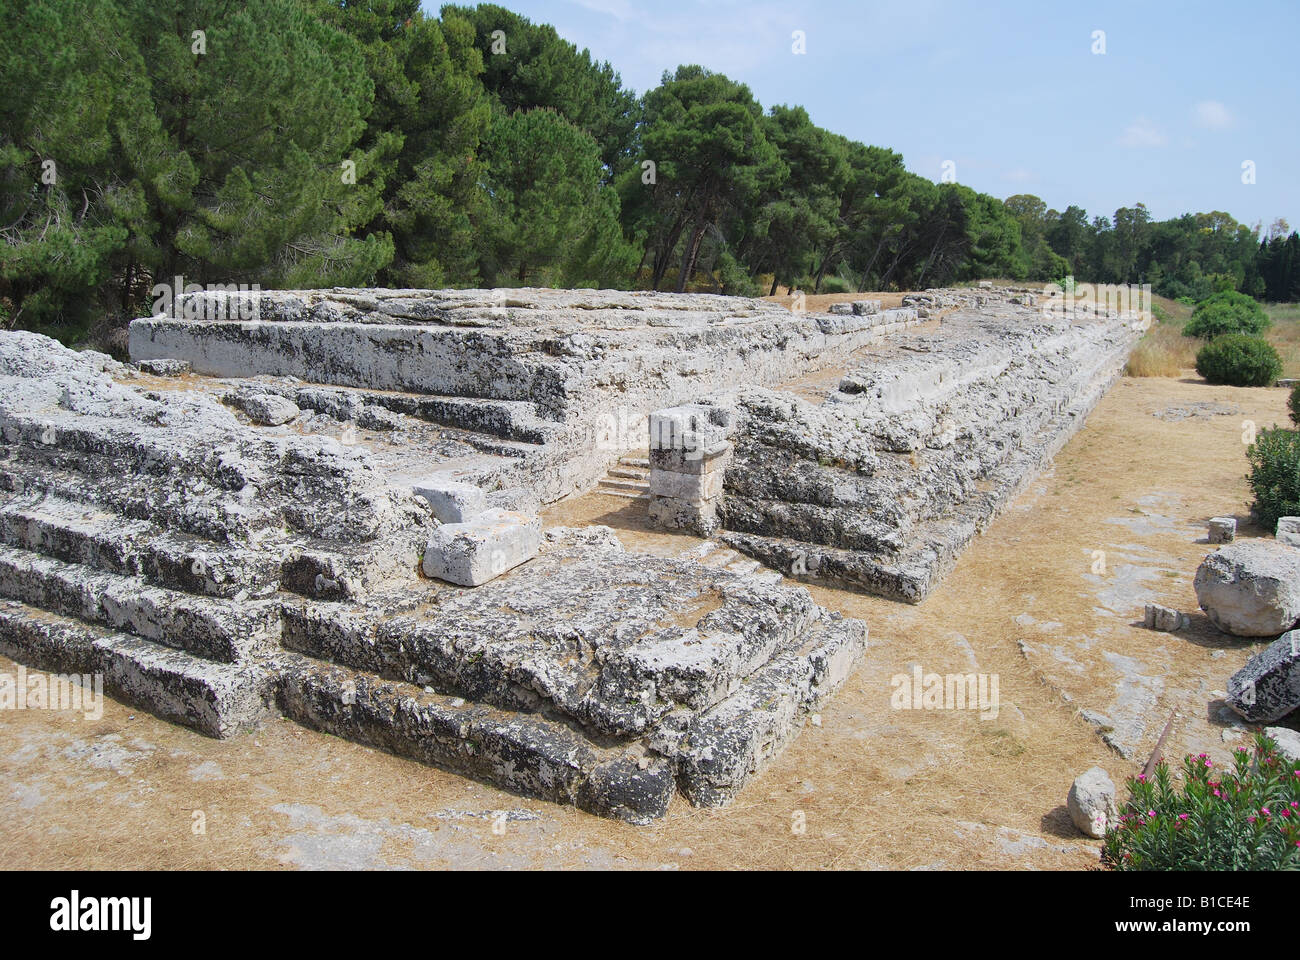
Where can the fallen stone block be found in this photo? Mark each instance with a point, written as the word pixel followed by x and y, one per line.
pixel 265 409
pixel 841 309
pixel 1267 688
pixel 1162 618
pixel 1288 530
pixel 866 308
pixel 1251 588
pixel 1223 529
pixel 478 550
pixel 452 501
pixel 1091 802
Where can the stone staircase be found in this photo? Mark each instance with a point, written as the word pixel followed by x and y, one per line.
pixel 630 478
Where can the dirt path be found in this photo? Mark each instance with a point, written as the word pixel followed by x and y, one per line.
pixel 872 786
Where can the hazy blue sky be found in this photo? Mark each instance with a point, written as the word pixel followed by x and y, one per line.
pixel 1010 91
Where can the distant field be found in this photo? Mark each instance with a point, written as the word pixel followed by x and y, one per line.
pixel 1165 352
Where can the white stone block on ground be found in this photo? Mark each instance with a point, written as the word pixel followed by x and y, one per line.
pixel 1251 588
pixel 452 501
pixel 1162 618
pixel 866 308
pixel 1091 802
pixel 1223 529
pixel 1288 530
pixel 478 550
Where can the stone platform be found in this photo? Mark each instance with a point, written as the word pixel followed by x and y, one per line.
pixel 329 512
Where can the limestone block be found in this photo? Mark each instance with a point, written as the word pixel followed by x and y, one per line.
pixel 1223 529
pixel 686 486
pixel 1267 688
pixel 690 428
pixel 452 501
pixel 265 409
pixel 1091 802
pixel 1288 530
pixel 699 517
pixel 866 308
pixel 678 460
pixel 1251 588
pixel 478 550
pixel 1162 618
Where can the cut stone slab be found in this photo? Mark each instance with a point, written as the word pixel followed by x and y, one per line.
pixel 685 486
pixel 1288 530
pixel 1091 802
pixel 1223 529
pixel 1162 618
pixel 452 501
pixel 1251 588
pixel 1267 688
pixel 479 550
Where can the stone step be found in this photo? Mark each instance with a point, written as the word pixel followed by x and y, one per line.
pixel 515 420
pixel 625 494
pixel 211 628
pixel 201 512
pixel 631 473
pixel 526 640
pixel 77 533
pixel 216 699
pixel 627 485
pixel 717 753
pixel 515 750
pixel 642 463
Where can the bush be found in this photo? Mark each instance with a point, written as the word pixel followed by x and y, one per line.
pixel 1274 476
pixel 1246 819
pixel 1293 404
pixel 1226 312
pixel 835 284
pixel 1239 360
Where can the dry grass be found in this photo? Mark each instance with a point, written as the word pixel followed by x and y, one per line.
pixel 1163 352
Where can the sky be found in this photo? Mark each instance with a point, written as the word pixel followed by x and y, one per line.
pixel 1015 94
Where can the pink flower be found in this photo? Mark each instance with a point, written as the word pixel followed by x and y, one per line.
pixel 1264 811
pixel 1182 816
pixel 1250 819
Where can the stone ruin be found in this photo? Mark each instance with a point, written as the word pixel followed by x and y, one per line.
pixel 330 512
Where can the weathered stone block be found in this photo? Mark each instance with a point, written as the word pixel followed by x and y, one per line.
pixel 478 550
pixel 1162 618
pixel 686 486
pixel 265 409
pixel 452 501
pixel 1267 688
pixel 1288 530
pixel 1223 529
pixel 866 308
pixel 1091 802
pixel 699 517
pixel 1251 588
pixel 696 461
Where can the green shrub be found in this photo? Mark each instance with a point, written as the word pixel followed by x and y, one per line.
pixel 1293 404
pixel 1274 476
pixel 1239 360
pixel 1242 819
pixel 1226 312
pixel 836 284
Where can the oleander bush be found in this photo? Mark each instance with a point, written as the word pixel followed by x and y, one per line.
pixel 1246 818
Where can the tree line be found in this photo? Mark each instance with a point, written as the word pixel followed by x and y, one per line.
pixel 310 143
